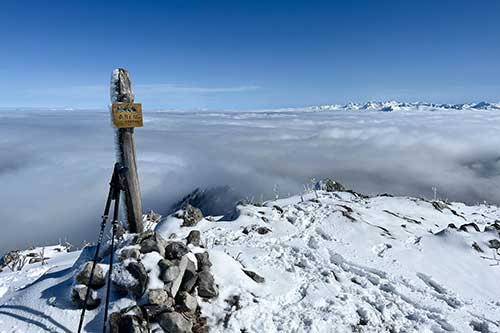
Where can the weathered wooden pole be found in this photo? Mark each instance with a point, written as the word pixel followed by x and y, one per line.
pixel 121 92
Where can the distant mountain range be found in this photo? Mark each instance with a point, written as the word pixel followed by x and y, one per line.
pixel 403 106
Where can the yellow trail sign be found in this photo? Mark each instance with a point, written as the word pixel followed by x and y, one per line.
pixel 126 115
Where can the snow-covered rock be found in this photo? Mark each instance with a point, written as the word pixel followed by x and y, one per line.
pixel 175 322
pixel 98 278
pixel 78 294
pixel 191 215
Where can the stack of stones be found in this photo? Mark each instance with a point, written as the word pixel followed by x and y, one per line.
pixel 166 278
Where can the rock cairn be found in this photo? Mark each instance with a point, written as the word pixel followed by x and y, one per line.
pixel 166 279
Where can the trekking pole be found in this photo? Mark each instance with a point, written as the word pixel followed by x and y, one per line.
pixel 114 186
pixel 111 254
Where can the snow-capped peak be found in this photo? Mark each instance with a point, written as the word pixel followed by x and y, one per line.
pixel 404 106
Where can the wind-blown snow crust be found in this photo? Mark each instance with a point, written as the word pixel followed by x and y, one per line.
pixel 331 261
pixel 345 263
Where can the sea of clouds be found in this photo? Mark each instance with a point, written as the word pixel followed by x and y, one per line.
pixel 55 164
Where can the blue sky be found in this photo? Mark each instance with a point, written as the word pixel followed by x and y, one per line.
pixel 249 54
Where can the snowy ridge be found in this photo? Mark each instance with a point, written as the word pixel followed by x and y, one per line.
pixel 404 106
pixel 342 263
pixel 332 262
pixel 385 106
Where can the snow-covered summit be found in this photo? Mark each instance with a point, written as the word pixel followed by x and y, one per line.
pixel 404 106
pixel 324 262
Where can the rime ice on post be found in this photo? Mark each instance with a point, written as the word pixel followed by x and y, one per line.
pixel 121 92
pixel 121 88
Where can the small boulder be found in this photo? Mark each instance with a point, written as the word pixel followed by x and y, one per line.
pixel 130 277
pixel 78 293
pixel 438 205
pixel 152 311
pixel 186 302
pixel 263 230
pixel 191 216
pixel 132 324
pixel 130 252
pixel 206 285
pixel 9 257
pixel 153 242
pixel 476 247
pixel 493 227
pixel 203 261
pixel 143 236
pixel 254 276
pixel 133 310
pixel 201 325
pixel 114 322
pixel 176 284
pixel 175 250
pixel 194 238
pixel 278 208
pixel 190 277
pixel 189 282
pixel 165 263
pixel 174 322
pixel 98 279
pixel 494 244
pixel 157 296
pixel 137 270
pixel 150 245
pixel 170 274
pixel 129 320
pixel 469 226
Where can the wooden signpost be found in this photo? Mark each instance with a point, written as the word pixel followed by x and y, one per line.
pixel 126 115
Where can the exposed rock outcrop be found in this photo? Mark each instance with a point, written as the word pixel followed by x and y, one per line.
pixel 329 185
pixel 191 216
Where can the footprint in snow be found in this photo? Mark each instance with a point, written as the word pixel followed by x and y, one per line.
pixel 480 326
pixel 441 292
pixel 323 234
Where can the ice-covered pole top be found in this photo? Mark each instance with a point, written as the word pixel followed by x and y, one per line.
pixel 120 87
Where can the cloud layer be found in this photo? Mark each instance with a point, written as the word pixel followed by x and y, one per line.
pixel 142 89
pixel 55 165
